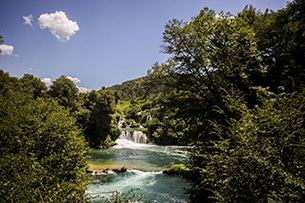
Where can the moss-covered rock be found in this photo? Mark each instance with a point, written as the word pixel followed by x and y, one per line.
pixel 177 169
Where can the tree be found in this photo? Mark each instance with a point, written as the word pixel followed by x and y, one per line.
pixel 281 38
pixel 42 152
pixel 218 55
pixel 33 86
pixel 214 52
pixel 210 56
pixel 65 92
pixel 260 158
pixel 99 124
pixel 7 84
pixel 129 89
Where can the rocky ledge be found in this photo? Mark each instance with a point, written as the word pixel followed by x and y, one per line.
pixel 106 170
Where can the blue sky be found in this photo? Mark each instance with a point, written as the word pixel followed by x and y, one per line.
pixel 98 42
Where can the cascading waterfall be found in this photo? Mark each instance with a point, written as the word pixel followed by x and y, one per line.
pixel 135 136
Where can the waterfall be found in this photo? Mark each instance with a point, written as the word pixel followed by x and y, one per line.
pixel 135 136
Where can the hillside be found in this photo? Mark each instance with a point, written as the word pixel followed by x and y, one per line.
pixel 130 89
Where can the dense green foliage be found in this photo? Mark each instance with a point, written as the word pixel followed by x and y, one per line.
pixel 45 133
pixel 233 86
pixel 132 195
pixel 99 126
pixel 42 152
pixel 65 92
pixel 260 157
pixel 93 110
pixel 129 89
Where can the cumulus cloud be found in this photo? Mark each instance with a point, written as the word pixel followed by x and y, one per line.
pixel 221 16
pixel 47 81
pixel 58 24
pixel 83 89
pixel 75 80
pixel 28 20
pixel 6 49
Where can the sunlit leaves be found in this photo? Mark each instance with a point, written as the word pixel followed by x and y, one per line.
pixel 65 92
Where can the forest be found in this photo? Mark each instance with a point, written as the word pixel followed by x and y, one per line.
pixel 233 87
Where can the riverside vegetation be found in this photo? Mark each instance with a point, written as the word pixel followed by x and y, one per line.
pixel 233 87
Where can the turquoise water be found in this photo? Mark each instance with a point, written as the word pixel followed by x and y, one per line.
pixel 145 164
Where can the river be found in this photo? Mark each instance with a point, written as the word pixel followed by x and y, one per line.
pixel 145 163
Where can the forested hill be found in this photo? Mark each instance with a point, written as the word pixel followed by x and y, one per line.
pixel 130 89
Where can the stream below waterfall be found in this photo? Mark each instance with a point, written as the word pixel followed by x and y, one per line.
pixel 145 163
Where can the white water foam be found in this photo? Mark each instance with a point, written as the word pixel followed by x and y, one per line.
pixel 156 186
pixel 124 143
pixel 131 179
pixel 135 136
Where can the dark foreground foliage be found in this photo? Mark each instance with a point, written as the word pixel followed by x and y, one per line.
pixel 42 151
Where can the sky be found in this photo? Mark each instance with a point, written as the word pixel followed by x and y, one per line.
pixel 95 43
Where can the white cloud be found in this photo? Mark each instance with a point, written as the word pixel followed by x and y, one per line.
pixel 83 89
pixel 47 81
pixel 6 49
pixel 58 24
pixel 28 20
pixel 75 80
pixel 221 16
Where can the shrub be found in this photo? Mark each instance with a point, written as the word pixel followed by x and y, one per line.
pixel 42 153
pixel 260 158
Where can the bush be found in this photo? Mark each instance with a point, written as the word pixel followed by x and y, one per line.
pixel 42 152
pixel 178 169
pixel 108 142
pixel 260 158
pixel 130 196
pixel 135 125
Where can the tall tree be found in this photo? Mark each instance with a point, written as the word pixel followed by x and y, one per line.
pixel 99 125
pixel 218 55
pixel 7 83
pixel 281 38
pixel 65 92
pixel 210 56
pixel 33 86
